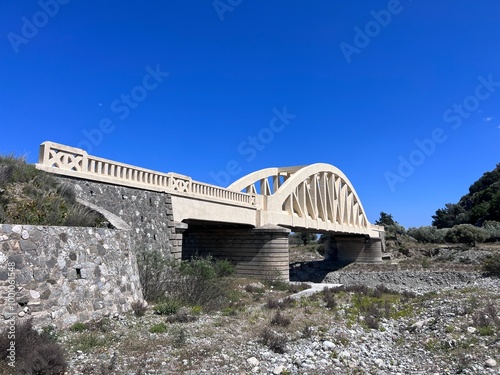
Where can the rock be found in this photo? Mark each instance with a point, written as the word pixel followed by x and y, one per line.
pixel 344 354
pixel 252 361
pixel 379 362
pixel 490 362
pixel 471 330
pixel 328 345
pixel 34 294
pixel 278 370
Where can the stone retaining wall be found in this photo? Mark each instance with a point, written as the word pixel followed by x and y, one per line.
pixel 66 274
pixel 148 213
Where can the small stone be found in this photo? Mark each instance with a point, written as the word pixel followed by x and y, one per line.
pixel 345 354
pixel 278 370
pixel 379 362
pixel 24 234
pixel 471 329
pixel 490 362
pixel 328 345
pixel 252 361
pixel 21 314
pixel 34 294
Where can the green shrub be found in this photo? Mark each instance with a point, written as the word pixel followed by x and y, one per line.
pixel 198 282
pixel 493 229
pixel 466 233
pixel 167 307
pixel 491 265
pixel 34 353
pixel 428 234
pixel 159 328
pixel 87 341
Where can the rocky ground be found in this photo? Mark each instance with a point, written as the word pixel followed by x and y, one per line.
pixel 446 320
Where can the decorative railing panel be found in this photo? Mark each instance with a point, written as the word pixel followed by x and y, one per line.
pixel 71 161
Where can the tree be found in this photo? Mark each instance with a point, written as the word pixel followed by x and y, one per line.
pixel 466 233
pixel 385 219
pixel 450 215
pixel 391 227
pixel 302 238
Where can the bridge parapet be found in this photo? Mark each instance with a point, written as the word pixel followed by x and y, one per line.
pixel 75 162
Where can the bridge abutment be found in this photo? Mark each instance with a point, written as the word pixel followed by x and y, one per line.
pixel 256 252
pixel 353 248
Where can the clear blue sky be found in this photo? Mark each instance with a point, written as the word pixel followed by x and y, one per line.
pixel 402 96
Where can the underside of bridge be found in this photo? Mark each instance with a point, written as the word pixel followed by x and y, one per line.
pixel 264 252
pixel 256 252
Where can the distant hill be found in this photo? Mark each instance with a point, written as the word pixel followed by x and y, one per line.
pixel 480 204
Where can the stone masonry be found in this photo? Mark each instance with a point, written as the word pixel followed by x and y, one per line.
pixel 66 274
pixel 148 214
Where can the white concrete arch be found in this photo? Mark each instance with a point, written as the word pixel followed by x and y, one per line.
pixel 317 196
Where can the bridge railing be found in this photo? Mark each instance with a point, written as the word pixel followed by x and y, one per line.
pixel 75 162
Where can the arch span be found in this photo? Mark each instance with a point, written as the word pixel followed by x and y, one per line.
pixel 317 196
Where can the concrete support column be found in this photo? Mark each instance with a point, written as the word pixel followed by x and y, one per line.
pixel 257 252
pixel 352 248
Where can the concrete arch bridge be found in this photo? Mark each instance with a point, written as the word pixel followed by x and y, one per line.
pixel 249 221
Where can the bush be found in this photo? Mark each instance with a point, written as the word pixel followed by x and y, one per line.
pixel 491 265
pixel 329 298
pixel 466 233
pixel 35 353
pixel 139 308
pixel 158 328
pixel 428 234
pixel 167 307
pixel 493 229
pixel 280 320
pixel 274 341
pixel 199 282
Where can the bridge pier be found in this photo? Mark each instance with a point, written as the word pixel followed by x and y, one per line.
pixel 261 253
pixel 353 248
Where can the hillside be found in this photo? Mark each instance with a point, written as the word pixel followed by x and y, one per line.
pixel 33 197
pixel 481 203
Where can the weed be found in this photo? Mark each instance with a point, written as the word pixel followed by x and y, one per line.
pixel 251 288
pixel 275 303
pixel 485 331
pixel 87 341
pixel 280 320
pixel 181 316
pixel 78 327
pixel 159 328
pixel 139 308
pixel 329 298
pixel 167 307
pixel 307 331
pixel 273 340
pixel 180 337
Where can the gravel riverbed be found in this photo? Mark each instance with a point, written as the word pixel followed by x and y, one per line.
pixel 436 332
